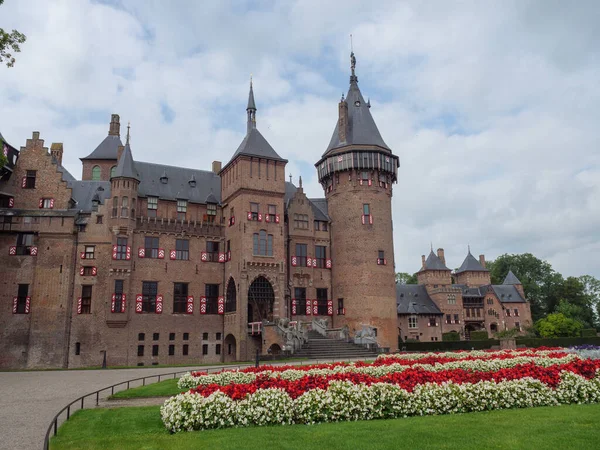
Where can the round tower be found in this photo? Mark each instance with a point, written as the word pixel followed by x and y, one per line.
pixel 357 171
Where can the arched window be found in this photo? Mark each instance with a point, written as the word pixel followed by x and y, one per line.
pixel 112 171
pixel 96 173
pixel 263 244
pixel 133 203
pixel 115 208
pixel 261 299
pixel 230 300
pixel 125 207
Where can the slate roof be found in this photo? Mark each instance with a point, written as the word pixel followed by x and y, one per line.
pixel 361 126
pixel 177 185
pixel 66 175
pixel 319 208
pixel 507 293
pixel 511 278
pixel 290 190
pixel 106 150
pixel 413 299
pixel 251 104
pixel 433 262
pixel 126 167
pixel 85 191
pixel 470 264
pixel 254 144
pixel 211 198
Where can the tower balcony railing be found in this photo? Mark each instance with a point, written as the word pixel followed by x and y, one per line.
pixel 255 328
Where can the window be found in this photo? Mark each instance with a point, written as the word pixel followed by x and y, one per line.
pixel 211 291
pixel 205 336
pixel 518 326
pixel 86 299
pixel 218 349
pixel 254 210
pixel 456 320
pixel 155 350
pixel 432 322
pixel 115 207
pixel 185 349
pixel 490 301
pixel 448 318
pixel 204 349
pixel 212 251
pixel 320 225
pixel 47 203
pixel 141 336
pixel 301 221
pixel 78 348
pixel 186 336
pixel 340 306
pixel 6 222
pixel 451 299
pixel 88 271
pixel 180 294
pixel 508 312
pixel 113 169
pixel 121 248
pixel 151 247
pixel 218 336
pixel 149 291
pixel 99 219
pixel 81 228
pixel 321 255
pixel 90 251
pixel 152 206
pixel 182 249
pixel 300 296
pixel 322 301
pixel 171 349
pixel 155 336
pixel 469 312
pixel 301 252
pixel 516 312
pixel 181 209
pixel 125 207
pixel 366 213
pixel 30 179
pixel 230 300
pixel 381 257
pixel 364 175
pixel 96 173
pixel 272 212
pixel 140 350
pixel 22 294
pixel 413 322
pixel 24 243
pixel 231 217
pixel 262 244
pixel 211 212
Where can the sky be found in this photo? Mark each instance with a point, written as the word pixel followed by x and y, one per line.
pixel 493 107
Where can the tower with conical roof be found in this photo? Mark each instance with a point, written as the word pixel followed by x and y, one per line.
pixel 472 272
pixel 252 197
pixel 357 172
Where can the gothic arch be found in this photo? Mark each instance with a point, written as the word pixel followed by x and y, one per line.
pixel 231 296
pixel 261 299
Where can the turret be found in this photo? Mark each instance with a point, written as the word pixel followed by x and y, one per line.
pixel 357 171
pixel 473 272
pixel 124 181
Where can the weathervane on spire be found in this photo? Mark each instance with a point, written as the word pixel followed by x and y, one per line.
pixel 352 57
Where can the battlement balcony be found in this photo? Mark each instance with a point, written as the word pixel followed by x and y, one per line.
pixel 155 224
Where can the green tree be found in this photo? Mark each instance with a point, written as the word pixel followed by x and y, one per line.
pixel 591 288
pixel 406 278
pixel 557 325
pixel 10 42
pixel 574 303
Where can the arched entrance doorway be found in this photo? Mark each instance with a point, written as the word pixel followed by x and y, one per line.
pixel 471 327
pixel 230 350
pixel 261 299
pixel 494 327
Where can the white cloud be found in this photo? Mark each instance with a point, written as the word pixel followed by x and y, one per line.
pixel 492 107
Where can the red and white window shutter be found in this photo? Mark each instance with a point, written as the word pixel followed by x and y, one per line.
pixel 24 182
pixel 203 256
pixel 202 305
pixel 221 305
pixel 79 305
pixel 138 303
pixel 114 252
pixel 12 250
pixel 293 306
pixel 159 304
pixel 173 254
pixel 221 257
pixel 141 252
pixel 82 255
pixel 15 302
pixel 11 202
pixel 308 307
pixel 112 303
pixel 260 217
pixel 190 305
pixel 249 215
pixel 315 308
pixel 328 263
pixel 161 253
pixel 276 218
pixel 330 307
pixel 33 251
pixel 128 253
pixel 27 304
pixel 309 262
pixel 294 261
pixel 41 203
pixel 314 262
pixel 267 218
pixel 123 300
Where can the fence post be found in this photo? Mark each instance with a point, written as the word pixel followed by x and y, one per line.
pixel 97 397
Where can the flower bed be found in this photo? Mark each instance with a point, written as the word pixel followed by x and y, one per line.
pixel 394 386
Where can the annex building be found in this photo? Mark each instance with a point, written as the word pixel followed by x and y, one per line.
pixel 150 263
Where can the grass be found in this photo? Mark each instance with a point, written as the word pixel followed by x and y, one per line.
pixel 160 389
pixel 563 427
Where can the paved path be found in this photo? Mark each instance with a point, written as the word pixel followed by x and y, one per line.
pixel 29 400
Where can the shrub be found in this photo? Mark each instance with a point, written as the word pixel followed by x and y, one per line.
pixel 451 336
pixel 589 332
pixel 479 335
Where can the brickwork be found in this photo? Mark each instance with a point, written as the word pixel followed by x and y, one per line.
pixel 105 167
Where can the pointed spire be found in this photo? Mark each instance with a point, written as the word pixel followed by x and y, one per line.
pixel 128 136
pixel 369 102
pixel 511 278
pixel 126 166
pixel 251 109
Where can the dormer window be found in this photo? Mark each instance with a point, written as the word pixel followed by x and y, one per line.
pixel 164 179
pixel 192 182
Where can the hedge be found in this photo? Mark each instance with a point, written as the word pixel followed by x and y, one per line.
pixel 450 336
pixel 479 335
pixel 589 332
pixel 558 342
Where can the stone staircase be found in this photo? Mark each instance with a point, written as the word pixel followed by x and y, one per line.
pixel 320 347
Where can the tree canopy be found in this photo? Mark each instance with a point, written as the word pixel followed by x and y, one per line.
pixel 9 44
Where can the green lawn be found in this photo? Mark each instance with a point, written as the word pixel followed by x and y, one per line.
pixel 560 427
pixel 160 389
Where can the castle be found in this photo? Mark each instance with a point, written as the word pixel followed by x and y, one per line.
pixel 146 263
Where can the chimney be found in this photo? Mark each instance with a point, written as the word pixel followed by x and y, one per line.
pixel 216 166
pixel 120 150
pixel 423 261
pixel 115 126
pixel 440 253
pixel 56 150
pixel 343 120
pixel 482 260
